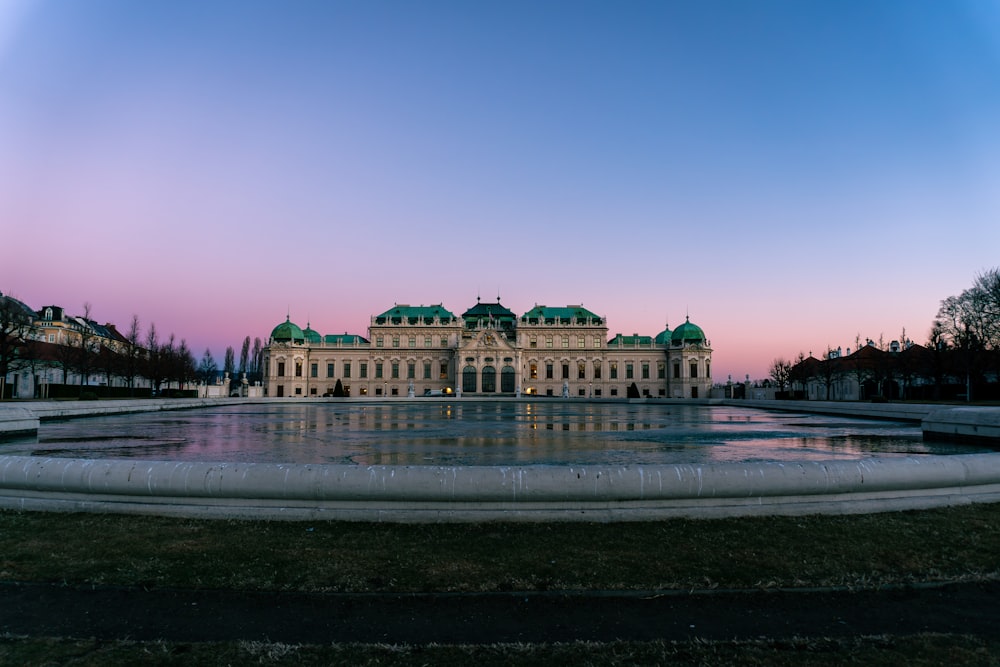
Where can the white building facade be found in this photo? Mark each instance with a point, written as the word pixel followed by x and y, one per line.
pixel 487 351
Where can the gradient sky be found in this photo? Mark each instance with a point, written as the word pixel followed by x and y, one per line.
pixel 791 174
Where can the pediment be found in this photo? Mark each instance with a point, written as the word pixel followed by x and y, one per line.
pixel 488 340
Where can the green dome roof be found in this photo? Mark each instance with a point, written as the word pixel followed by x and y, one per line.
pixel 687 333
pixel 288 331
pixel 663 338
pixel 312 336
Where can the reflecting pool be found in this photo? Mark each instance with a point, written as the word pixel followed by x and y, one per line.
pixel 466 432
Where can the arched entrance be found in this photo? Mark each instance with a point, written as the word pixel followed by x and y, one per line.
pixel 469 379
pixel 507 379
pixel 489 379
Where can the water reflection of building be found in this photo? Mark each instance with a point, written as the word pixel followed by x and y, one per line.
pixel 488 351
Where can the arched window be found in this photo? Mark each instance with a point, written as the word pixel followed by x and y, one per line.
pixel 507 379
pixel 469 379
pixel 489 379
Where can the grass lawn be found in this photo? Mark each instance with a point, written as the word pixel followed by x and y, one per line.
pixel 857 551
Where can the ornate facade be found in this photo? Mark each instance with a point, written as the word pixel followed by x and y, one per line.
pixel 488 351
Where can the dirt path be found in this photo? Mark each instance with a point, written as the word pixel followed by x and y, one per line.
pixel 193 616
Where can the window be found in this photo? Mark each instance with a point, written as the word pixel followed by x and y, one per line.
pixel 614 392
pixel 427 341
pixel 281 369
pixel 597 392
pixel 52 338
pixel 694 369
pixel 314 370
pixel 395 370
pixel 298 391
pixel 312 391
pixel 565 341
pixel 597 341
pixel 378 369
pixel 329 370
pixel 444 371
pixel 395 341
pixel 629 372
pixel 533 341
pixel 661 371
pixel 548 371
pixel 581 341
pixel 298 369
pixel 411 370
pixel 347 369
pixel 444 341
pixel 614 370
pixel 533 371
pixel 469 379
pixel 645 371
pixel 581 371
pixel 708 369
pixel 548 341
pixel 413 341
pixel 507 381
pixel 677 370
pixel 364 369
pixel 378 341
pixel 597 370
pixel 489 379
pixel 565 371
pixel 427 370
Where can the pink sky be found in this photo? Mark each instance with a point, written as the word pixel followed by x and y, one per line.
pixel 792 175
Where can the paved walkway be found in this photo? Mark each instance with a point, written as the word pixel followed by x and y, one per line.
pixel 196 616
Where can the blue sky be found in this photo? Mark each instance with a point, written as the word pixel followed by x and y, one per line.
pixel 792 174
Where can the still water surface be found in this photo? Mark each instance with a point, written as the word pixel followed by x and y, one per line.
pixel 477 433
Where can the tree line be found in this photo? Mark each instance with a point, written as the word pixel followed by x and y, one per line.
pixel 961 358
pixel 128 356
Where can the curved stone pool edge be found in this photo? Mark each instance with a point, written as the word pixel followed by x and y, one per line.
pixel 527 493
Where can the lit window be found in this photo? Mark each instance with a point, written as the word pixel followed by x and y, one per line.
pixel 581 341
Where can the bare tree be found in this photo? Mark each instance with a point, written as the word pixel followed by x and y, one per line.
pixel 207 369
pixel 258 360
pixel 154 365
pixel 245 355
pixel 15 328
pixel 780 372
pixel 84 345
pixel 132 354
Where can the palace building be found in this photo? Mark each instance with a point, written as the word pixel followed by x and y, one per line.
pixel 488 351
